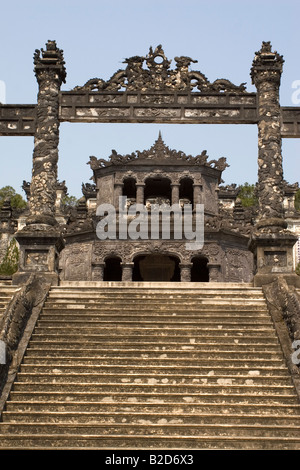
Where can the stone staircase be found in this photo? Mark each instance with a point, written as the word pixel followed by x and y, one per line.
pixel 7 290
pixel 153 366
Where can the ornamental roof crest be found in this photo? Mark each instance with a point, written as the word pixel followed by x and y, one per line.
pixel 160 154
pixel 152 73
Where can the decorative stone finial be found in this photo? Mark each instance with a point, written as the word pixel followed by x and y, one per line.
pixel 50 62
pixel 267 65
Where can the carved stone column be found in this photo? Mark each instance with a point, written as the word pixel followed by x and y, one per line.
pixel 140 193
pixel 185 272
pixel 118 191
pixel 50 73
pixel 40 240
pixel 97 271
pixel 175 193
pixel 271 243
pixel 127 269
pixel 266 74
pixel 214 270
pixel 197 187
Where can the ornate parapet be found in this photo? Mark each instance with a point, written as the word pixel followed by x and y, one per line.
pixel 159 77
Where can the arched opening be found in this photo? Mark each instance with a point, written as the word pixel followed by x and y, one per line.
pixel 112 269
pixel 199 271
pixel 158 190
pixel 157 268
pixel 186 191
pixel 129 188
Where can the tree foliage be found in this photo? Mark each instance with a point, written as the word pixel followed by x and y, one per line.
pixel 10 261
pixel 247 195
pixel 16 200
pixel 69 202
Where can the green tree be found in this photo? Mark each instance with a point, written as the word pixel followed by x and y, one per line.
pixel 16 200
pixel 69 202
pixel 247 195
pixel 10 261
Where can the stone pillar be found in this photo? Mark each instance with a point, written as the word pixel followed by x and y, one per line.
pixel 197 193
pixel 175 193
pixel 214 270
pixel 50 73
pixel 266 74
pixel 140 193
pixel 118 192
pixel 97 271
pixel 40 240
pixel 127 269
pixel 185 272
pixel 271 243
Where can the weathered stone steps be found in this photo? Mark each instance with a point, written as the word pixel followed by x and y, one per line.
pixel 140 429
pixel 91 354
pixel 120 365
pixel 166 370
pixel 253 378
pixel 222 408
pixel 228 338
pixel 177 442
pixel 147 418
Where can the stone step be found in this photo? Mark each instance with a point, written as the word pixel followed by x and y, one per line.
pixel 69 442
pixel 166 370
pixel 220 330
pixel 143 430
pixel 149 418
pixel 193 325
pixel 227 339
pixel 223 387
pixel 129 285
pixel 151 397
pixel 85 297
pixel 66 313
pixel 148 354
pixel 152 379
pixel 153 362
pixel 217 309
pixel 234 345
pixel 191 296
pixel 210 407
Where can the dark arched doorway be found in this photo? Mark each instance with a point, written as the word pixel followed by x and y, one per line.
pixel 156 267
pixel 112 269
pixel 199 271
pixel 158 190
pixel 129 188
pixel 186 191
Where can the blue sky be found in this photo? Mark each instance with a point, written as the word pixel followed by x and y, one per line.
pixel 96 36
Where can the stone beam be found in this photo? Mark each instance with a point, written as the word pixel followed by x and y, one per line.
pixel 17 119
pixel 177 108
pixel 290 118
pixel 20 119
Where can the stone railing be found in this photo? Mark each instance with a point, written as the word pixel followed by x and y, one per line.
pixel 284 306
pixel 17 324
